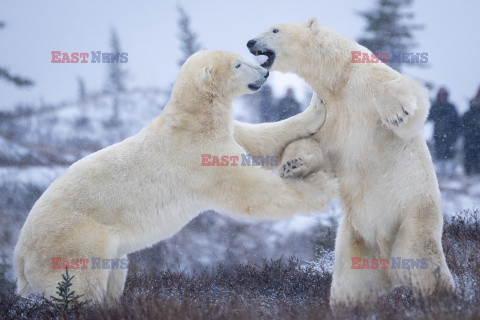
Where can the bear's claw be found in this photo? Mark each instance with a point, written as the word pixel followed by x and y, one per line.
pixel 292 168
pixel 398 117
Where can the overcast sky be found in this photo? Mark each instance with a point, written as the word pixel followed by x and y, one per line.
pixel 148 32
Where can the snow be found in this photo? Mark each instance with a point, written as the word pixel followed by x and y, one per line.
pixel 16 153
pixel 459 193
pixel 37 175
pixel 323 263
pixel 303 223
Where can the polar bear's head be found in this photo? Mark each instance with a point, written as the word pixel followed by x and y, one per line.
pixel 219 74
pixel 301 47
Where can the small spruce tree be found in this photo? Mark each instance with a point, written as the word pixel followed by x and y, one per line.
pixel 388 28
pixel 66 299
pixel 116 81
pixel 188 39
pixel 82 91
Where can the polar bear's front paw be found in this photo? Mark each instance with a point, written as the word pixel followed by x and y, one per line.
pixel 397 119
pixel 292 168
pixel 300 158
pixel 396 102
pixel 396 115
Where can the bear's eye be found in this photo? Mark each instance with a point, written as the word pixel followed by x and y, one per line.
pixel 238 65
pixel 275 30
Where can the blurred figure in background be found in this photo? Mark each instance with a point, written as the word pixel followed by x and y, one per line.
pixel 471 133
pixel 266 105
pixel 288 106
pixel 446 128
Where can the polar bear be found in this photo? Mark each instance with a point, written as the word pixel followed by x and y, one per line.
pixel 371 142
pixel 135 193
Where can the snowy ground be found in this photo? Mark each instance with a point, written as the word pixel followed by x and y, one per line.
pixel 459 193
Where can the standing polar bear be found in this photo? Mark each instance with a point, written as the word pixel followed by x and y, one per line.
pixel 371 141
pixel 144 189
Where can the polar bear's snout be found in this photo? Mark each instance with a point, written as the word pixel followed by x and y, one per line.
pixel 257 48
pixel 251 43
pixel 260 75
pixel 254 86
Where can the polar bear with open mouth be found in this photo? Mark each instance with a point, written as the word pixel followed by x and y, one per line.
pixel 371 141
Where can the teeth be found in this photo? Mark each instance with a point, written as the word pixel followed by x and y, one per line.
pixel 261 59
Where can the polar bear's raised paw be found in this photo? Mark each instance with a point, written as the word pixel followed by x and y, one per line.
pixel 292 168
pixel 397 116
pixel 397 102
pixel 301 158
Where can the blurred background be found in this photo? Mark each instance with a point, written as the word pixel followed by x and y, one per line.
pixel 52 114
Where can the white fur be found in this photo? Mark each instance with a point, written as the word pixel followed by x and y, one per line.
pixel 135 193
pixel 388 187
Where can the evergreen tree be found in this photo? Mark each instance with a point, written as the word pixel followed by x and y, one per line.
pixel 116 75
pixel 116 82
pixel 6 75
pixel 66 297
pixel 188 38
pixel 82 121
pixel 82 91
pixel 188 42
pixel 388 28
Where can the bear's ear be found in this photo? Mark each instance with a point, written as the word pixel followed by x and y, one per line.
pixel 207 74
pixel 312 24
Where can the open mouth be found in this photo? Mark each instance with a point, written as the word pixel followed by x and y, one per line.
pixel 270 57
pixel 253 87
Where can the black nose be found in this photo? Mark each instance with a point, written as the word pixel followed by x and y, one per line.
pixel 266 76
pixel 251 43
